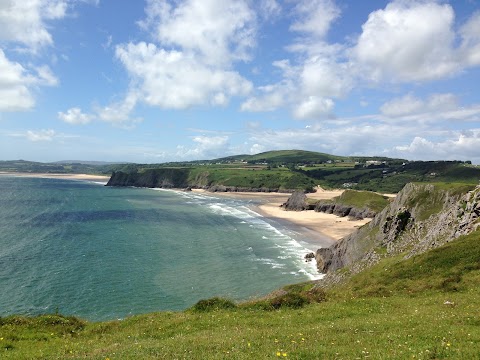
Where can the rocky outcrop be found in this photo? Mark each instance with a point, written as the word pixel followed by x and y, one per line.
pixel 297 202
pixel 154 178
pixel 169 178
pixel 344 210
pixel 422 217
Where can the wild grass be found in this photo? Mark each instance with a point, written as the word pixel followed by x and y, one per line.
pixel 361 199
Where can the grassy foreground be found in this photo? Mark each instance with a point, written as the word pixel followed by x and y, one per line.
pixel 426 307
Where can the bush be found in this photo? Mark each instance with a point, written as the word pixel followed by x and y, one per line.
pixel 213 304
pixel 289 300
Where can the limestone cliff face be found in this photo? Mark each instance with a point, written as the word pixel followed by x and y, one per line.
pixel 155 178
pixel 343 210
pixel 422 217
pixel 297 202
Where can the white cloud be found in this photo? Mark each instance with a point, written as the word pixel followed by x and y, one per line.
pixel 24 21
pixel 119 112
pixel 405 105
pixel 314 108
pixel 216 31
pixel 174 79
pixel 309 86
pixel 257 149
pixel 269 8
pixel 14 92
pixel 40 135
pixel 205 147
pixel 457 146
pixel 470 33
pixel 322 76
pixel 197 43
pixel 270 98
pixel 408 41
pixel 315 17
pixel 17 83
pixel 75 116
pixel 436 107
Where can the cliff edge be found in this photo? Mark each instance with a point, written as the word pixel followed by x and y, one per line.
pixel 422 217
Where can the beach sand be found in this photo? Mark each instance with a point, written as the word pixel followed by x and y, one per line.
pixel 86 177
pixel 326 228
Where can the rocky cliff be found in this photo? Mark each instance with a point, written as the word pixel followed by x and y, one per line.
pixel 155 178
pixel 344 210
pixel 422 217
pixel 179 178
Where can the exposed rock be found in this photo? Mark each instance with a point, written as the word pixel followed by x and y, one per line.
pixel 420 218
pixel 296 202
pixel 343 210
pixel 309 257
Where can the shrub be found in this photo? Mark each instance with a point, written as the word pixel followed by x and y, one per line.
pixel 213 304
pixel 289 300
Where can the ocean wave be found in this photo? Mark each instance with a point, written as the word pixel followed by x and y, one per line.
pixel 292 250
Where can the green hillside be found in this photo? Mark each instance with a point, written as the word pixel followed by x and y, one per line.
pixel 289 169
pixel 422 308
pixel 294 156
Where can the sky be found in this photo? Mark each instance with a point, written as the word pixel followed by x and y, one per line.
pixel 173 80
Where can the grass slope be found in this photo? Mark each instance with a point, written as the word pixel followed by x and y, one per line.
pixel 395 310
pixel 360 200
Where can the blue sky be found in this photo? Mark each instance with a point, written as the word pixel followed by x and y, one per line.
pixel 171 80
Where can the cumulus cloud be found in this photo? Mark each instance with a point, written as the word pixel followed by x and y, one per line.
pixel 175 79
pixel 311 83
pixel 17 84
pixel 314 17
pixel 217 31
pixel 314 108
pixel 436 108
pixel 408 41
pixel 118 113
pixel 197 43
pixel 470 47
pixel 75 116
pixel 205 147
pixel 25 22
pixel 459 145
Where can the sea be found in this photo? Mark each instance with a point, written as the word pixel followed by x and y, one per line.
pixel 101 253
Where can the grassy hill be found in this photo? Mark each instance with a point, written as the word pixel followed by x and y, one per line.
pixel 289 169
pixel 423 308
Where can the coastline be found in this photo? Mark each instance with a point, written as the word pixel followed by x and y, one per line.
pixel 85 177
pixel 317 229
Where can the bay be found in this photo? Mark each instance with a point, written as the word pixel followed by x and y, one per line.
pixel 102 253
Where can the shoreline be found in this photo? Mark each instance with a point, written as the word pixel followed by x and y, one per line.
pixel 85 177
pixel 317 229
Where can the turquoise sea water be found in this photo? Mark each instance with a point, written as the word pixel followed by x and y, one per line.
pixel 104 253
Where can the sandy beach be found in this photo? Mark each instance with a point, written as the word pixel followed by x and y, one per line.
pixel 329 228
pixel 86 177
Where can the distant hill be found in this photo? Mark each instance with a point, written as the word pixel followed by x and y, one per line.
pixel 281 169
pixel 285 157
